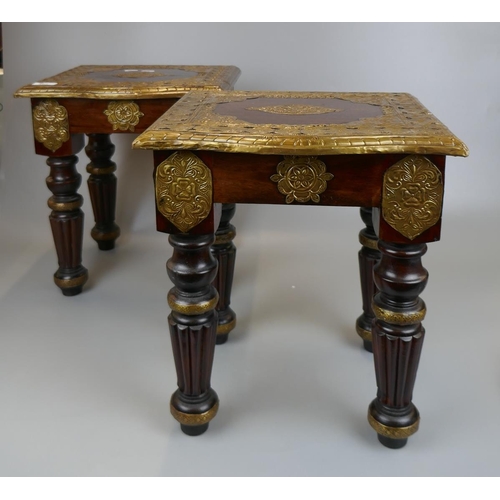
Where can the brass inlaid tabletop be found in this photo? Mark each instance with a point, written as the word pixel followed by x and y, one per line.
pixel 131 82
pixel 301 123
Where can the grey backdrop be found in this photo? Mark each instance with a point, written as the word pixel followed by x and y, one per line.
pixel 85 381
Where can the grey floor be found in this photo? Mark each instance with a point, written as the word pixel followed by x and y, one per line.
pixel 85 381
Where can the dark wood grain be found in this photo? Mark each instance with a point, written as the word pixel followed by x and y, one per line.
pixel 400 279
pixel 192 269
pixel 224 251
pixel 367 257
pixel 102 189
pixel 66 221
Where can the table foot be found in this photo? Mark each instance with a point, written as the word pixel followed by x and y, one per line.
pixel 224 251
pixel 368 256
pixel 397 340
pixel 394 444
pixel 102 189
pixel 194 413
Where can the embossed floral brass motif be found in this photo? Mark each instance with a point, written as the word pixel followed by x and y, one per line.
pixel 296 109
pixel 184 190
pixel 412 195
pixel 50 124
pixel 301 178
pixel 123 115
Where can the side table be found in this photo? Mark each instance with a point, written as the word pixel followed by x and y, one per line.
pixel 100 101
pixel 382 152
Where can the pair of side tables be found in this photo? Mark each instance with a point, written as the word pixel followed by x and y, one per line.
pixel 216 147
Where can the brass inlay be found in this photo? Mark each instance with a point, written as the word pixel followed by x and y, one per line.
pixel 412 195
pixel 399 318
pixel 301 178
pixel 64 206
pixel 404 127
pixel 50 124
pixel 226 327
pixel 194 418
pixel 295 109
pixel 393 432
pixel 85 82
pixel 191 309
pixel 368 242
pixel 123 115
pixel 71 283
pixel 364 334
pixel 101 170
pixel 184 190
pixel 222 239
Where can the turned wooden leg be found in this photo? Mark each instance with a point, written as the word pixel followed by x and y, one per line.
pixel 225 252
pixel 102 189
pixel 193 330
pixel 368 257
pixel 397 340
pixel 66 221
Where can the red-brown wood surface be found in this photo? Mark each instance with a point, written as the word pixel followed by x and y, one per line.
pixel 87 115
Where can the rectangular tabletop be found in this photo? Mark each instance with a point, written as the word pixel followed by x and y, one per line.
pixel 301 123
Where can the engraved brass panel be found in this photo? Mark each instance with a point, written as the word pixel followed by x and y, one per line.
pixel 123 115
pixel 412 195
pixel 50 124
pixel 184 190
pixel 301 178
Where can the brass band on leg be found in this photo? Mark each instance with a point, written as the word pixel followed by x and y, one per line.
pixel 72 282
pixel 393 432
pixel 364 334
pixel 368 242
pixel 194 418
pixel 226 327
pixel 221 239
pixel 191 309
pixel 65 206
pixel 399 318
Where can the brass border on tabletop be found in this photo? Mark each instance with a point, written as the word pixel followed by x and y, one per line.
pixel 192 123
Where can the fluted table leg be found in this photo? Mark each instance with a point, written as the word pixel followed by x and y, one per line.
pixel 102 189
pixel 397 340
pixel 225 252
pixel 193 330
pixel 66 221
pixel 368 257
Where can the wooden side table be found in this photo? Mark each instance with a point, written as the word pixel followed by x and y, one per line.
pixel 100 101
pixel 383 152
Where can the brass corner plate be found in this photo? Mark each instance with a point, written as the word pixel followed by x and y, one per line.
pixel 184 190
pixel 301 178
pixel 50 124
pixel 412 195
pixel 123 115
